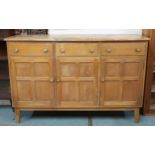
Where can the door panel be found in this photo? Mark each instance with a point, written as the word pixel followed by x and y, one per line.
pixel 112 69
pixel 33 82
pixel 68 70
pixel 87 91
pixel 132 69
pixel 111 90
pixel 42 69
pixel 68 91
pixel 87 69
pixel 44 90
pixel 77 82
pixel 121 81
pixel 24 90
pixel 130 90
pixel 23 69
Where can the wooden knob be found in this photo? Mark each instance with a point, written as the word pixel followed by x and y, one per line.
pixel 16 50
pixel 138 50
pixel 109 50
pixel 62 50
pixel 45 50
pixel 91 50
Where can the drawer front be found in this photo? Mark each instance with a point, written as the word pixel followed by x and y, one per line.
pixel 77 49
pixel 30 49
pixel 123 48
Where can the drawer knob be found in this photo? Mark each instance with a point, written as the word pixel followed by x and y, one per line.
pixel 91 51
pixel 109 50
pixel 62 50
pixel 138 50
pixel 16 50
pixel 45 50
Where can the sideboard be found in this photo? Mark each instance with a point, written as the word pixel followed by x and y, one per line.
pixel 77 72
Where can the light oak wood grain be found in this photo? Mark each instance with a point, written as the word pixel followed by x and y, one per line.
pixel 78 38
pixel 121 81
pixel 32 81
pixel 30 49
pixel 82 75
pixel 126 48
pixel 74 49
pixel 77 81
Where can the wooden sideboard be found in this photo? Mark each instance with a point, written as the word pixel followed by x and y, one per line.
pixel 82 72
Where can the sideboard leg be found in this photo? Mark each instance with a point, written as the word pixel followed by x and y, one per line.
pixel 136 115
pixel 17 113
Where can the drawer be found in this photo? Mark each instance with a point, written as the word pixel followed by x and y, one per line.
pixel 77 49
pixel 124 48
pixel 30 49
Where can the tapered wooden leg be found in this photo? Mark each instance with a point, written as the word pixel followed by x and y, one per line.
pixel 136 115
pixel 17 113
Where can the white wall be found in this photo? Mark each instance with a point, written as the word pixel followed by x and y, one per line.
pixel 95 31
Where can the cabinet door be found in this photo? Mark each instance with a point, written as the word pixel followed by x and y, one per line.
pixel 77 82
pixel 32 82
pixel 122 81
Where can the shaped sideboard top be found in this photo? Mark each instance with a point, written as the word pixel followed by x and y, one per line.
pixel 84 37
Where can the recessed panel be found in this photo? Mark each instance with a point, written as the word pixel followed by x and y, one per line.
pixel 130 90
pixel 111 90
pixel 87 91
pixel 112 69
pixel 24 91
pixel 68 91
pixel 131 69
pixel 87 69
pixel 42 69
pixel 68 70
pixel 23 69
pixel 43 90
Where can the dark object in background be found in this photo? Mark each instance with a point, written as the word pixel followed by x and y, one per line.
pixel 149 94
pixel 31 31
pixel 4 72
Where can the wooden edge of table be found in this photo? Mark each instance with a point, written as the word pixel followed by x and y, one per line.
pixel 78 38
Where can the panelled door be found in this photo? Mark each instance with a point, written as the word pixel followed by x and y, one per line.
pixel 77 82
pixel 33 84
pixel 121 81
